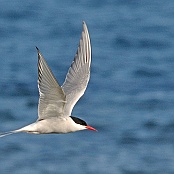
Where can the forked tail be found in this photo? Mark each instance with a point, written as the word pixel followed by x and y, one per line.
pixel 7 133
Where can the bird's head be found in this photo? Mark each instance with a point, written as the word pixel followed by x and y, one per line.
pixel 82 123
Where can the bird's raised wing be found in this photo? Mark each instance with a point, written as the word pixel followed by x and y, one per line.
pixel 79 73
pixel 52 98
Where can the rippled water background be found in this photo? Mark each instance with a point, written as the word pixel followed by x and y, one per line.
pixel 130 97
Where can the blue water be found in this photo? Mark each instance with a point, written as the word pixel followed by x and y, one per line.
pixel 129 99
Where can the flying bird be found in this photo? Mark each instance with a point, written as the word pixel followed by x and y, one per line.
pixel 56 102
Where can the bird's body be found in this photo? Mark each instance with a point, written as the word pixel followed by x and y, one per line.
pixel 50 125
pixel 56 102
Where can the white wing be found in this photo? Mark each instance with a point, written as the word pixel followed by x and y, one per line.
pixel 52 98
pixel 79 73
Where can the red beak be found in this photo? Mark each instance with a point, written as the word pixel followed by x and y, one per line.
pixel 91 128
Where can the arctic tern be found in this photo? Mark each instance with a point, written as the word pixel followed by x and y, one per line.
pixel 56 102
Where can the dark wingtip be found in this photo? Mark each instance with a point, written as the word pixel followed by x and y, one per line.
pixel 83 23
pixel 37 48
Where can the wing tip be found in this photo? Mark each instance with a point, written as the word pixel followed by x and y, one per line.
pixel 85 29
pixel 83 22
pixel 37 49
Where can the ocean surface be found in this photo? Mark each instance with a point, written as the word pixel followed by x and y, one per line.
pixel 129 99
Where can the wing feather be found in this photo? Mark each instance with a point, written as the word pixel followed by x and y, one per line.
pixel 79 73
pixel 52 98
